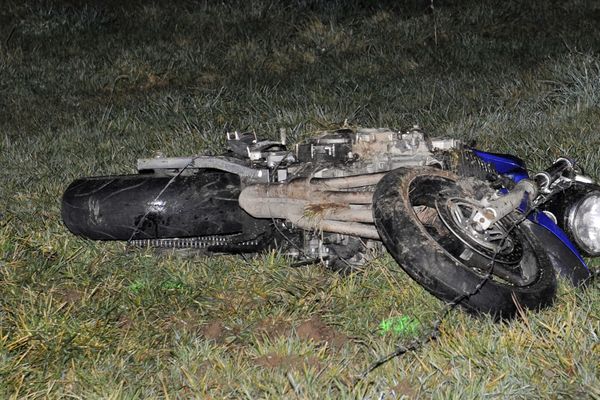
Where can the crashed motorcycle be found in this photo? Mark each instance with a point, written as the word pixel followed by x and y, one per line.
pixel 464 223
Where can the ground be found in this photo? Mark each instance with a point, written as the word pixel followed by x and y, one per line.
pixel 87 88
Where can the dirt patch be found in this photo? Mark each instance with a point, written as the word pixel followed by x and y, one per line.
pixel 125 323
pixel 286 362
pixel 214 330
pixel 273 328
pixel 404 389
pixel 70 295
pixel 316 330
pixel 219 332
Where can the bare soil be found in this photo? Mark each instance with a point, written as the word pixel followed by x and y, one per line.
pixel 316 330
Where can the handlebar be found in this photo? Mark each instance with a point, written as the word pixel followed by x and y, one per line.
pixel 546 178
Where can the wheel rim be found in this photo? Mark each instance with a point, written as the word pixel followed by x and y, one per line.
pixel 499 242
pixel 442 207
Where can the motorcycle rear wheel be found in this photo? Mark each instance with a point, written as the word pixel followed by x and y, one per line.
pixel 143 207
pixel 407 208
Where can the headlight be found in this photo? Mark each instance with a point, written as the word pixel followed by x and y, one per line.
pixel 584 223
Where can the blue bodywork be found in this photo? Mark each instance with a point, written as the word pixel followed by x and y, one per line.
pixel 514 168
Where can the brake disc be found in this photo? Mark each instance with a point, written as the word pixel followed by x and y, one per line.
pixel 499 242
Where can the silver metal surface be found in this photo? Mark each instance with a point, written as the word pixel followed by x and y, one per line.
pixel 227 164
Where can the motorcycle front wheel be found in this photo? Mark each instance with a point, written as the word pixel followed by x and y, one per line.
pixel 422 215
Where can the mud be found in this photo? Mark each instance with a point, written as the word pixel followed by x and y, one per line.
pixel 273 328
pixel 125 323
pixel 316 330
pixel 219 332
pixel 214 330
pixel 404 390
pixel 69 295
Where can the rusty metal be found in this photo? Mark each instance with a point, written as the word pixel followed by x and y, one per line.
pixel 317 204
pixel 348 182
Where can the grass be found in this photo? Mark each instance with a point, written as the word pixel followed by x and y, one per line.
pixel 85 89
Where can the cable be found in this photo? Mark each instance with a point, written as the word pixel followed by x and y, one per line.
pixel 433 334
pixel 143 219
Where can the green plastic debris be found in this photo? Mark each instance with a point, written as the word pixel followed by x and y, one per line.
pixel 402 325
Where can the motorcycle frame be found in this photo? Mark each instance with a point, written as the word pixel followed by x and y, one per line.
pixel 515 169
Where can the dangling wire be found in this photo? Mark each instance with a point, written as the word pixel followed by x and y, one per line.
pixel 145 216
pixel 434 332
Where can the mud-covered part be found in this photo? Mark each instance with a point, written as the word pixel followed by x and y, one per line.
pixel 565 262
pixel 148 206
pixel 464 163
pixel 405 209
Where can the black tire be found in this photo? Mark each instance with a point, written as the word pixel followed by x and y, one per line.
pixel 148 206
pixel 431 258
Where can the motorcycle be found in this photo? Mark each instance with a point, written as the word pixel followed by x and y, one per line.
pixel 469 226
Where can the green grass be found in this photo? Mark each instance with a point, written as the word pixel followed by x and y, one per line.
pixel 87 89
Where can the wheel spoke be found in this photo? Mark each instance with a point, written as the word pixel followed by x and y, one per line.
pixel 494 243
pixel 460 249
pixel 495 236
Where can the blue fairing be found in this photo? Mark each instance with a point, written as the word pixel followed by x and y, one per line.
pixel 505 164
pixel 542 219
pixel 514 168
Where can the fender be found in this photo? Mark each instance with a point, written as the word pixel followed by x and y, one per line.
pixel 565 257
